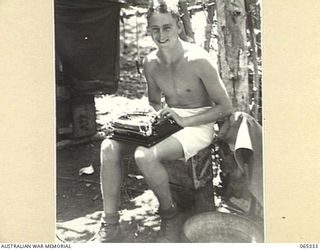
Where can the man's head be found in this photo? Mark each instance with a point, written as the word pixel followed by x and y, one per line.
pixel 163 6
pixel 164 22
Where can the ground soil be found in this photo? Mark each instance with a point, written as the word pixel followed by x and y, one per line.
pixel 79 202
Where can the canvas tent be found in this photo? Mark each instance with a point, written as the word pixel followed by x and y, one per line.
pixel 87 61
pixel 87 44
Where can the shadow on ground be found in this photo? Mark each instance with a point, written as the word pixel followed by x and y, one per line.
pixel 79 202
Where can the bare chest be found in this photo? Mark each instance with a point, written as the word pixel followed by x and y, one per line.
pixel 178 80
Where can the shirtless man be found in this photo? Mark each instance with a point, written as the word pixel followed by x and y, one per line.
pixel 195 98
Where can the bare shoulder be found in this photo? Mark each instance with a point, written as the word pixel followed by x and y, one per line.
pixel 150 61
pixel 198 57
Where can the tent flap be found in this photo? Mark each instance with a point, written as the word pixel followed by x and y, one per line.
pixel 87 44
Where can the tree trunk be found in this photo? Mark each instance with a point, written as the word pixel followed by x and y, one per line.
pixel 232 56
pixel 256 110
pixel 209 25
pixel 186 21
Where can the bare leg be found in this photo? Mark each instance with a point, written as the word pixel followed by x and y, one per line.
pixel 156 176
pixel 111 154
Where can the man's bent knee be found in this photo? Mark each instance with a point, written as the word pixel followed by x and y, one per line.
pixel 144 156
pixel 110 150
pixel 110 146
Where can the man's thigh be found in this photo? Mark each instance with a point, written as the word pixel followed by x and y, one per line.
pixel 125 149
pixel 168 149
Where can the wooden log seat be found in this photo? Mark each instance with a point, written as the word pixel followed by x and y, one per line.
pixel 191 182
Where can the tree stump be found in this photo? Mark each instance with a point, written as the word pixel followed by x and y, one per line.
pixel 191 182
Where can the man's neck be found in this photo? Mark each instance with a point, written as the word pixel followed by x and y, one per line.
pixel 172 55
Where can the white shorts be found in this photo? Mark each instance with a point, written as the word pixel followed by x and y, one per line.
pixel 194 138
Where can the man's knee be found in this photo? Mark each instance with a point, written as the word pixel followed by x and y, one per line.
pixel 110 148
pixel 144 156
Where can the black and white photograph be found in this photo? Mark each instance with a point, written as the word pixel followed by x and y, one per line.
pixel 159 121
pixel 137 121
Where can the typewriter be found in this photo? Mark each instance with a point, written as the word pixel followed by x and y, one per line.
pixel 142 128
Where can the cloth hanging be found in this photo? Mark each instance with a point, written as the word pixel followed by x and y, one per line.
pixel 87 43
pixel 244 137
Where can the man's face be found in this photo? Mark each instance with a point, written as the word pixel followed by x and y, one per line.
pixel 164 29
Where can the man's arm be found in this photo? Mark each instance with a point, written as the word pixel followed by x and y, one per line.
pixel 217 92
pixel 154 92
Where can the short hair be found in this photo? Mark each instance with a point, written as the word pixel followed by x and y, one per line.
pixel 164 6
